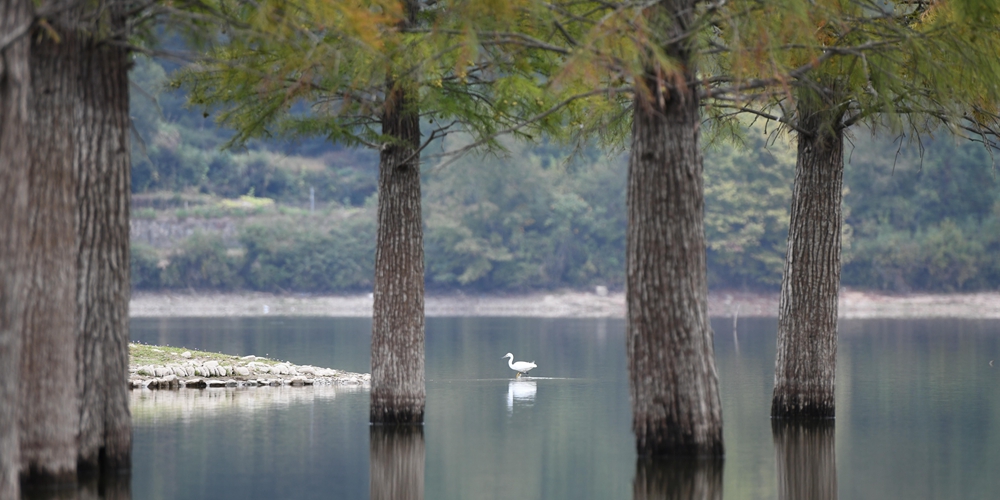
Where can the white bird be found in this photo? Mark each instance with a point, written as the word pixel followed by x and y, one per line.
pixel 521 367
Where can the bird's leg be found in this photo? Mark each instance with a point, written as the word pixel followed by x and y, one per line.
pixel 518 375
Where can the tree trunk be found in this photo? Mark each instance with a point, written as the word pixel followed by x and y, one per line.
pixel 672 378
pixel 397 393
pixel 49 400
pixel 103 165
pixel 678 479
pixel 807 460
pixel 15 87
pixel 397 462
pixel 806 363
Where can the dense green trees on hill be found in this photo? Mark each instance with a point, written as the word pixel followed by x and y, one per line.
pixel 541 217
pixel 923 224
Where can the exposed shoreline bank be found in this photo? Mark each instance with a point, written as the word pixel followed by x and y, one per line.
pixel 556 304
pixel 164 367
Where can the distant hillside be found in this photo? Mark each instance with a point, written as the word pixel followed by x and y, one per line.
pixel 537 218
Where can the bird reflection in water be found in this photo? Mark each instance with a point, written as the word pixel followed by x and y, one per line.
pixel 807 461
pixel 521 392
pixel 677 479
pixel 106 487
pixel 396 462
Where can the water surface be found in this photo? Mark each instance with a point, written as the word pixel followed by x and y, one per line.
pixel 918 406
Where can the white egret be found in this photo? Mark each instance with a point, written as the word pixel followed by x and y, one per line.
pixel 521 367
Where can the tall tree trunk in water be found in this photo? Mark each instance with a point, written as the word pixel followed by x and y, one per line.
pixel 397 462
pixel 50 403
pixel 398 393
pixel 807 460
pixel 806 362
pixel 103 165
pixel 15 86
pixel 672 378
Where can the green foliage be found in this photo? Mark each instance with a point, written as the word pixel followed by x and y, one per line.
pixel 180 150
pixel 321 69
pixel 537 219
pixel 748 189
pixel 202 262
pixel 525 222
pixel 285 256
pixel 144 263
pixel 930 223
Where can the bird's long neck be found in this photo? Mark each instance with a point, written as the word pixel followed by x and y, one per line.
pixel 510 362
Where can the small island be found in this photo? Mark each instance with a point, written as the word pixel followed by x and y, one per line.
pixel 164 367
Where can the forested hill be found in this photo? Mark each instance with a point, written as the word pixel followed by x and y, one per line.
pixel 537 218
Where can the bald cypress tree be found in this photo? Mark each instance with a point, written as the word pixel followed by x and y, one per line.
pixel 371 78
pixel 103 166
pixel 49 399
pixel 398 392
pixel 902 68
pixel 673 383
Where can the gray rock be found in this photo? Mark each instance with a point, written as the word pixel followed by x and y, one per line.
pixel 242 370
pixel 196 383
pixel 159 371
pixel 216 383
pixel 186 354
pixel 211 364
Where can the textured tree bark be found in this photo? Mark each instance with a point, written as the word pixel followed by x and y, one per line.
pixel 807 459
pixel 397 389
pixel 103 165
pixel 49 400
pixel 806 362
pixel 680 479
pixel 672 377
pixel 397 462
pixel 398 319
pixel 15 87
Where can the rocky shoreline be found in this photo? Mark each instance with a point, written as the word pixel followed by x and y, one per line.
pixel 197 370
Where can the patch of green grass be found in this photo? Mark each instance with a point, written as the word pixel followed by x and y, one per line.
pixel 142 354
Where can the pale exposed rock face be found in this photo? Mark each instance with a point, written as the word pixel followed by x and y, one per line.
pixel 248 371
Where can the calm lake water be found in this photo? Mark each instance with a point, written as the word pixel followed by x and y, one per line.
pixel 918 417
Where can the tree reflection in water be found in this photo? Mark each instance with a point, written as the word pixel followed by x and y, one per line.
pixel 677 479
pixel 109 487
pixel 397 462
pixel 807 461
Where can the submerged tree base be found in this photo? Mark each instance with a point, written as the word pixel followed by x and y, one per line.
pixel 798 407
pixel 665 440
pixel 389 409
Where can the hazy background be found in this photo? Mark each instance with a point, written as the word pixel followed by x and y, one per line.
pixel 540 217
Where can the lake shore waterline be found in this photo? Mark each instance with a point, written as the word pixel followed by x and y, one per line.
pixel 555 304
pixel 165 367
